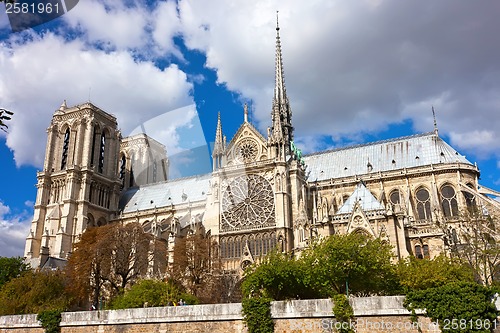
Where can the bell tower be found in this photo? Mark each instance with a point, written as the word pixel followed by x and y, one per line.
pixel 79 185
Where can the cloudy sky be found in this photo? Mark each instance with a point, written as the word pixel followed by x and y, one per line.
pixel 356 71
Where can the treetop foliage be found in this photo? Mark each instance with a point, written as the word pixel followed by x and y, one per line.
pixel 11 268
pixel 354 261
pixel 457 306
pixel 419 274
pixel 34 292
pixel 325 269
pixel 152 293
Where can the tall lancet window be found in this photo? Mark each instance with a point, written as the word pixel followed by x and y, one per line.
pixel 132 180
pixel 123 164
pixel 101 152
pixel 64 157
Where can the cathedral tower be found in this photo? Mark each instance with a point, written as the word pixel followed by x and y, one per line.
pixel 79 185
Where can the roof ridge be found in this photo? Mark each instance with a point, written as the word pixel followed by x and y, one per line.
pixel 371 143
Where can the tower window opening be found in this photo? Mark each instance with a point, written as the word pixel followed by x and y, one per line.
pixel 64 158
pixel 101 152
pixel 123 162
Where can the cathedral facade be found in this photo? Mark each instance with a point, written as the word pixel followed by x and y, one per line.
pixel 262 193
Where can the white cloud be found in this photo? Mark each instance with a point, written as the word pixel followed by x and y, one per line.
pixel 359 66
pixel 110 23
pixel 479 141
pixel 13 231
pixel 166 25
pixel 37 75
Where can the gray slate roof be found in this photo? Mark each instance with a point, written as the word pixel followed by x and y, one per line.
pixel 173 192
pixel 399 153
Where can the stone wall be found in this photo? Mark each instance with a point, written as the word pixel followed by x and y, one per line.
pixel 373 314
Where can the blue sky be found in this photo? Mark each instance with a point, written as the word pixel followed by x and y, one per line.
pixel 355 72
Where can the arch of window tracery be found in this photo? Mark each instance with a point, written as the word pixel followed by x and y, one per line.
pixel 423 204
pixel 422 251
pixel 395 197
pixel 449 201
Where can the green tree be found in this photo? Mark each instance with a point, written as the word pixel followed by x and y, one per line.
pixel 457 306
pixel 11 268
pixel 257 314
pixel 419 274
pixel 353 263
pixel 279 276
pixel 34 292
pixel 152 293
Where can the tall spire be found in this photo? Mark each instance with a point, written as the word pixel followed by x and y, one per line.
pixel 281 113
pixel 435 122
pixel 279 90
pixel 219 144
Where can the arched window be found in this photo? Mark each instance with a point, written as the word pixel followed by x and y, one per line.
pixel 426 251
pixel 123 164
pixel 394 197
pixel 64 157
pixel 94 138
pixel 423 204
pixel 418 252
pixel 470 200
pixel 102 148
pixel 449 201
pixel 132 180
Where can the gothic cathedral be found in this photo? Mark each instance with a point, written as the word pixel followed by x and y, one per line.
pixel 262 193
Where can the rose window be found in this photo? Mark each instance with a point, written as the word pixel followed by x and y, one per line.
pixel 247 202
pixel 247 150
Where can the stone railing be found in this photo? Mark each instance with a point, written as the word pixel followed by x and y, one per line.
pixel 372 314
